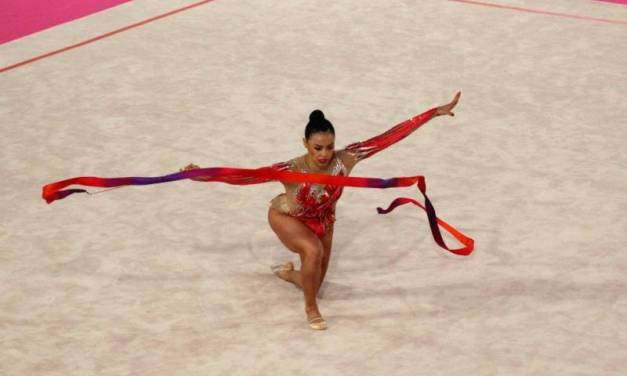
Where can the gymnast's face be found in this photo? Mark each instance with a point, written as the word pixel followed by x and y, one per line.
pixel 321 148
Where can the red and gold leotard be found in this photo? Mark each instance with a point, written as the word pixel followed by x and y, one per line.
pixel 314 204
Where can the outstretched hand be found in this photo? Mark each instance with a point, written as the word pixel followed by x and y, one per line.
pixel 448 108
pixel 192 166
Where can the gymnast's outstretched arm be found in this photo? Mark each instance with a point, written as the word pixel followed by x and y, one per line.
pixel 359 151
pixel 241 179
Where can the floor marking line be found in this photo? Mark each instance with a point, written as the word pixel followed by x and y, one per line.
pixel 544 12
pixel 102 36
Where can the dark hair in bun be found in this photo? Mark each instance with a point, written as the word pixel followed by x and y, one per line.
pixel 318 123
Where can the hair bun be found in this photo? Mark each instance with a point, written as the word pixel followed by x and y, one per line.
pixel 316 115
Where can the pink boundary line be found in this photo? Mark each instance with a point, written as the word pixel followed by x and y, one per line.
pixel 94 39
pixel 544 12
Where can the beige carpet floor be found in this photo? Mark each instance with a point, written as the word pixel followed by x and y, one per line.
pixel 174 279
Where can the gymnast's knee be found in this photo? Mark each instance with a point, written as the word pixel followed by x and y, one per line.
pixel 312 253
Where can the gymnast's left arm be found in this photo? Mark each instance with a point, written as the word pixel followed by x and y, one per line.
pixel 358 151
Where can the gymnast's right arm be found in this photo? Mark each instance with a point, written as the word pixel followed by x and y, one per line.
pixel 239 179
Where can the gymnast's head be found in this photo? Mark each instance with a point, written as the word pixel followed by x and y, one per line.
pixel 319 139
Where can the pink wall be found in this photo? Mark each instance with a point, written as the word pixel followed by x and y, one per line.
pixel 615 1
pixel 19 18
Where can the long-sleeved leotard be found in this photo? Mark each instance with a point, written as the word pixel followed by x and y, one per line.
pixel 314 204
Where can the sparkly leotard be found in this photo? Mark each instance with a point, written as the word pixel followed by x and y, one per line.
pixel 314 204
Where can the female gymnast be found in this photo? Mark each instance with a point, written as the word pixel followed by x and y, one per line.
pixel 303 216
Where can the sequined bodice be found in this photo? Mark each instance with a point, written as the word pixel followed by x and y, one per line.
pixel 314 199
pixel 309 200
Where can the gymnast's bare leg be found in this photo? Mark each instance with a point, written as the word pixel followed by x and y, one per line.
pixel 295 277
pixel 313 254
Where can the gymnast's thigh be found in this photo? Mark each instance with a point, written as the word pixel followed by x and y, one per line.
pixel 294 234
pixel 327 239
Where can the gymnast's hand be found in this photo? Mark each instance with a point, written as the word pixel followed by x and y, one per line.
pixel 192 166
pixel 447 108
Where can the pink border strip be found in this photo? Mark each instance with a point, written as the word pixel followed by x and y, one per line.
pixel 20 18
pixel 624 2
pixel 94 39
pixel 544 12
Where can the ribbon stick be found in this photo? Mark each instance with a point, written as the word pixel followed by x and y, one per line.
pixel 240 176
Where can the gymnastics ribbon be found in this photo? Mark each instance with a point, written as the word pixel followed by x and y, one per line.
pixel 241 176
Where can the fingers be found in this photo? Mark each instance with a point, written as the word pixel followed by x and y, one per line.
pixel 453 103
pixel 190 166
pixel 457 96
